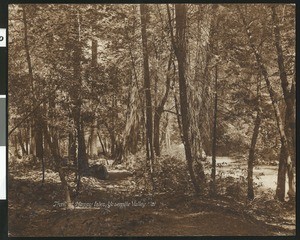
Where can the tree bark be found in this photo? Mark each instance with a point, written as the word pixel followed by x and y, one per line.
pixel 178 116
pixel 289 128
pixel 214 140
pixel 39 151
pixel 250 191
pixel 180 52
pixel 82 156
pixel 281 177
pixel 28 58
pixel 147 85
pixel 27 138
pixel 77 97
pixel 33 121
pixel 288 95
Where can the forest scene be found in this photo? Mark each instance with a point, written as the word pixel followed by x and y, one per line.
pixel 151 120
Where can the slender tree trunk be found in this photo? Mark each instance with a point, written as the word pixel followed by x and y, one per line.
pixel 39 141
pixel 101 142
pixel 147 85
pixel 58 160
pixel 119 153
pixel 214 140
pixel 280 124
pixel 157 117
pixel 178 116
pixel 32 141
pixel 40 145
pixel 112 133
pixel 93 135
pixel 180 52
pixel 112 145
pixel 24 151
pixel 15 146
pixel 27 138
pixel 72 148
pixel 281 177
pixel 253 144
pixel 82 157
pixel 28 59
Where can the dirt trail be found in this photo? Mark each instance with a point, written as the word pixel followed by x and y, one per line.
pixel 167 216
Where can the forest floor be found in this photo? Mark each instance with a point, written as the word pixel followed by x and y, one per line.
pixel 116 207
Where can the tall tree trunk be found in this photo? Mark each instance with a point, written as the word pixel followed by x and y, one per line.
pixel 82 156
pixel 147 85
pixel 281 177
pixel 214 139
pixel 15 146
pixel 289 128
pixel 112 145
pixel 77 97
pixel 92 142
pixel 280 124
pixel 32 141
pixel 40 146
pixel 39 151
pixel 289 95
pixel 132 129
pixel 28 58
pixel 33 127
pixel 251 158
pixel 111 129
pixel 93 135
pixel 180 52
pixel 178 116
pixel 27 138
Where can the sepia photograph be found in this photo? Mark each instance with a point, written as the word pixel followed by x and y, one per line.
pixel 151 120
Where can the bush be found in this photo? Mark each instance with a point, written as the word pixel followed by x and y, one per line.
pixel 232 187
pixel 171 175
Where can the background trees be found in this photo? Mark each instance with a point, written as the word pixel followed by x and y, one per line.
pixel 127 79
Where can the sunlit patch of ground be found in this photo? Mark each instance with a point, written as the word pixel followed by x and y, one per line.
pixel 265 176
